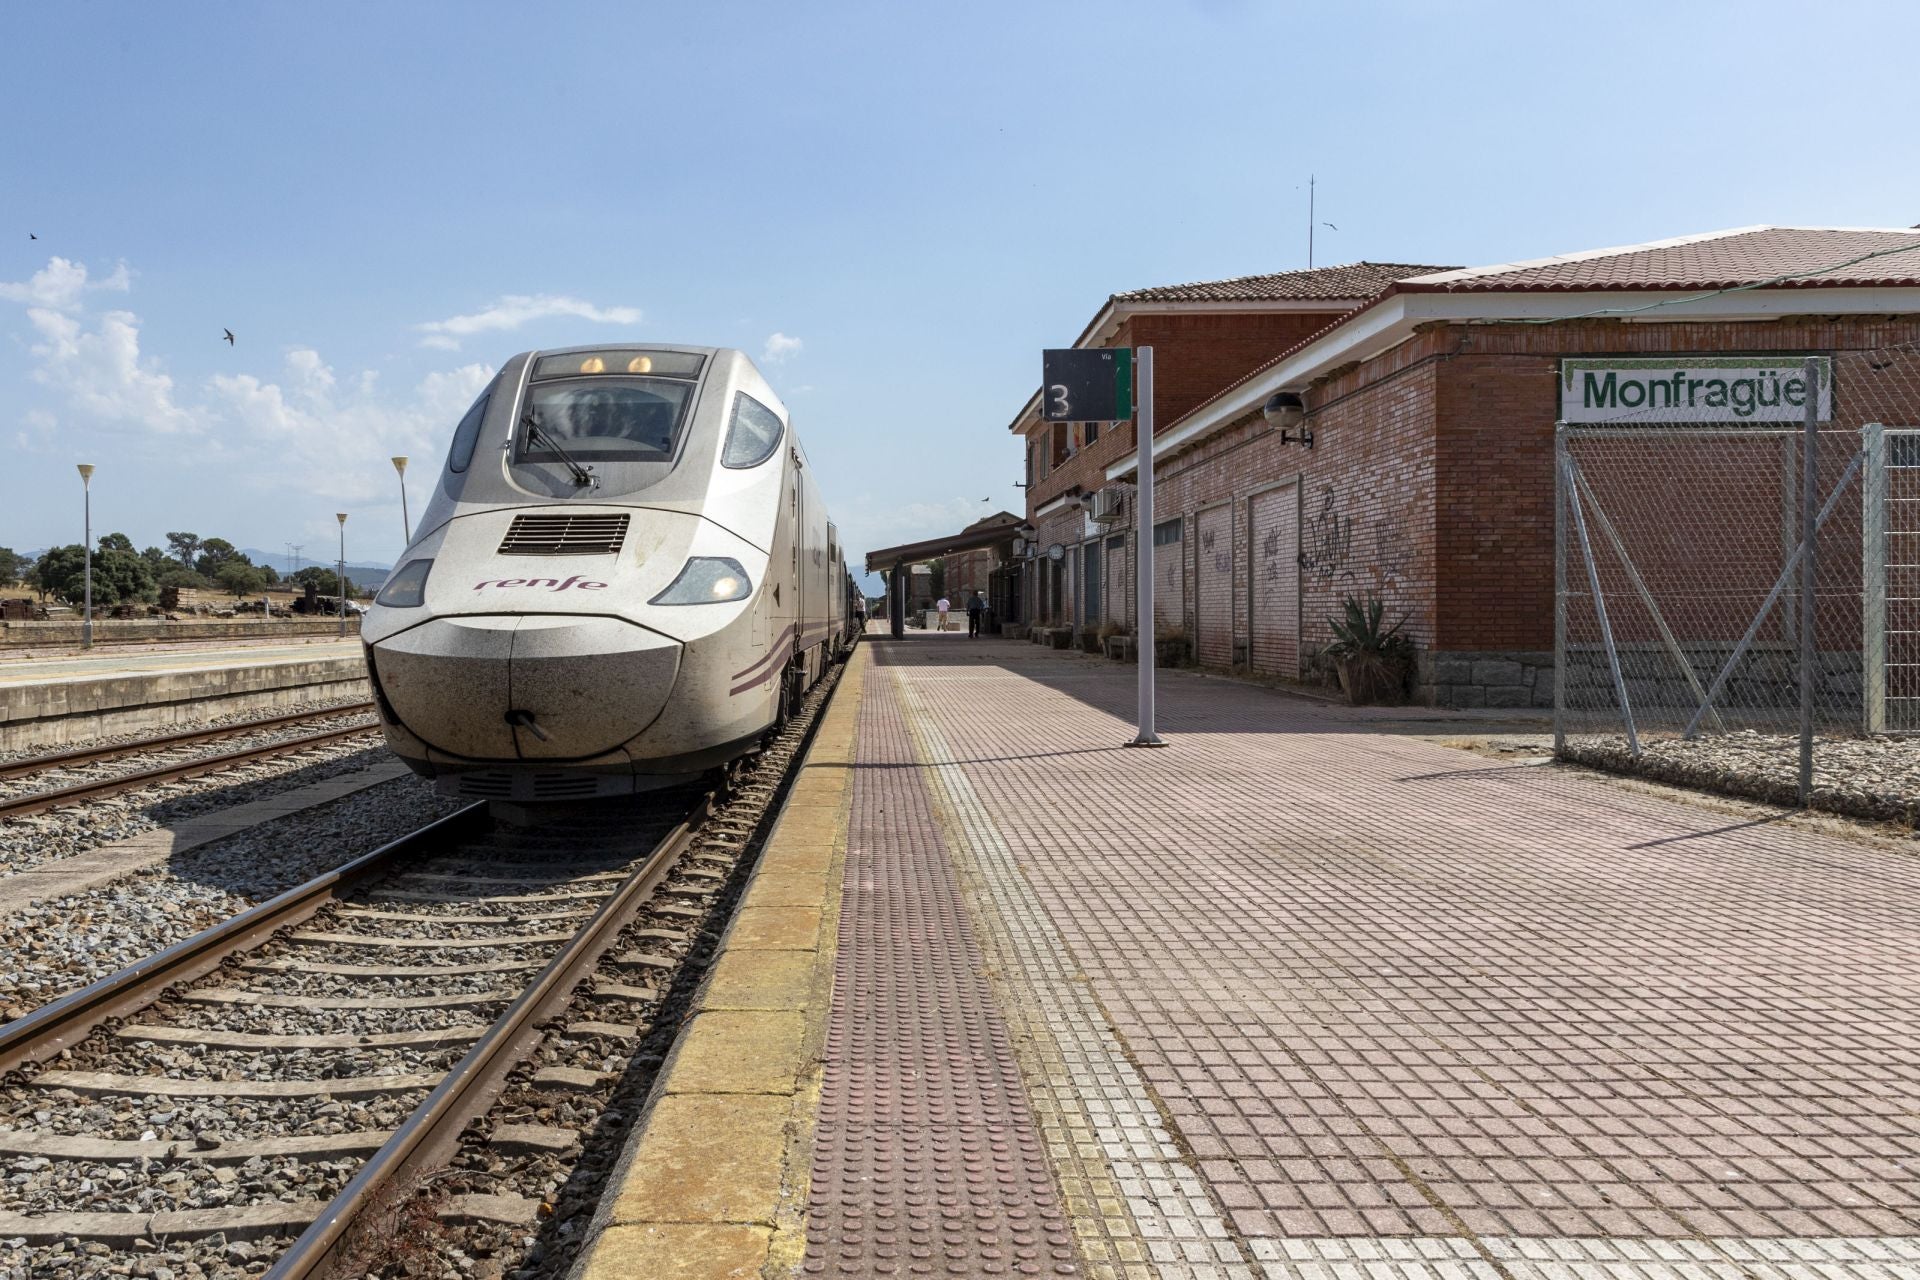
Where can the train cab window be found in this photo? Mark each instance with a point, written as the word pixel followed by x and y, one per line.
pixel 467 435
pixel 753 433
pixel 602 419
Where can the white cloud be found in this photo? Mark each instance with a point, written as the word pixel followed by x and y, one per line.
pixel 779 347
pixel 339 433
pixel 516 309
pixel 102 374
pixel 61 285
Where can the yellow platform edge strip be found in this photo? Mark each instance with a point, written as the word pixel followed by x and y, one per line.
pixel 714 1180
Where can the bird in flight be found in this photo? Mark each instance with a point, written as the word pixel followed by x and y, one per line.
pixel 229 334
pixel 32 236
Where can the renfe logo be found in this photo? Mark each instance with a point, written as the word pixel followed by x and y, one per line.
pixel 552 584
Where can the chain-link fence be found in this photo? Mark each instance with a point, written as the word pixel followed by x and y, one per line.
pixel 1738 588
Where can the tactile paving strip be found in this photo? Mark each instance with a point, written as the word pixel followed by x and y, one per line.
pixel 1137 1208
pixel 926 1159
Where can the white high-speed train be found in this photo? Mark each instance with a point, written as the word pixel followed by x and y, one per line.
pixel 625 578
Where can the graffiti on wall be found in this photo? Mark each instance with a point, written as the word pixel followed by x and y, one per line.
pixel 1395 551
pixel 1326 544
pixel 1222 556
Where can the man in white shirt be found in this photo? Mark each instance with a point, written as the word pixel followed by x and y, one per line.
pixel 943 604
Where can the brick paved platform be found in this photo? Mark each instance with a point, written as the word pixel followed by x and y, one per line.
pixel 1301 996
pixel 1306 996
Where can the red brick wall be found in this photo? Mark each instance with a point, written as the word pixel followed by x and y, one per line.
pixel 1498 401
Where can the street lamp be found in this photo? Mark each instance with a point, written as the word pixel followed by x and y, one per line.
pixel 341 516
pixel 86 544
pixel 406 524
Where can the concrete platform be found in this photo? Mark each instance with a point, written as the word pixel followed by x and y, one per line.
pixel 1307 994
pixel 51 702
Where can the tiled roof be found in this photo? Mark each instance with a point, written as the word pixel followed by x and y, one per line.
pixel 1717 260
pixel 1354 280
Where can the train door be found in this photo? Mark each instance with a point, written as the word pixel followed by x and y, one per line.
pixel 1273 605
pixel 1213 581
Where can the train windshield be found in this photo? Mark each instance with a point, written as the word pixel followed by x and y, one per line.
pixel 602 420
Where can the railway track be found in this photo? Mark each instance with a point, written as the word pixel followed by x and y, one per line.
pixel 91 788
pixel 282 1086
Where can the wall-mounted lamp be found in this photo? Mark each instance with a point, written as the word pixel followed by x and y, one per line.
pixel 1286 411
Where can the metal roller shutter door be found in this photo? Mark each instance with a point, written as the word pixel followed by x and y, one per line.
pixel 1213 573
pixel 1274 523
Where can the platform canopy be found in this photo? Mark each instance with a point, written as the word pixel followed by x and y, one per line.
pixel 990 532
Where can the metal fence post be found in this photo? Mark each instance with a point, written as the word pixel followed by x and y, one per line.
pixel 1559 588
pixel 1809 570
pixel 1873 577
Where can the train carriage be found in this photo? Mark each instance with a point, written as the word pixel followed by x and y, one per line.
pixel 625 578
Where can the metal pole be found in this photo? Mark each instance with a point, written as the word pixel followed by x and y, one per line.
pixel 86 502
pixel 1873 574
pixel 1809 568
pixel 897 600
pixel 341 582
pixel 1559 588
pixel 1143 648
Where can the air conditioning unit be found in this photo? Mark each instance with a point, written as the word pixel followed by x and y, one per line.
pixel 1106 506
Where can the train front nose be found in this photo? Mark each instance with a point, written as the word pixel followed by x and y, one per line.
pixel 535 687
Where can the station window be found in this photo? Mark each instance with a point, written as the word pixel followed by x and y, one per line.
pixel 1167 532
pixel 1090 432
pixel 1058 444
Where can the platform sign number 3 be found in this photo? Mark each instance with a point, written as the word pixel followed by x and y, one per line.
pixel 1090 385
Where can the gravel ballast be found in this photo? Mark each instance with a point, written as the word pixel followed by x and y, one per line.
pixel 57 946
pixel 60 833
pixel 1873 778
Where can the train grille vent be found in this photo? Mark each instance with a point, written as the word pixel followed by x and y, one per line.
pixel 557 785
pixel 565 535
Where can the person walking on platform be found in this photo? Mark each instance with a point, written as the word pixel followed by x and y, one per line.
pixel 976 613
pixel 943 604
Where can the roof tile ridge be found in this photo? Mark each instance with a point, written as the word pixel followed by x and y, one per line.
pixel 1584 255
pixel 1893 231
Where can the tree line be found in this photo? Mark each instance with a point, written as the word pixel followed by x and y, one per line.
pixel 122 575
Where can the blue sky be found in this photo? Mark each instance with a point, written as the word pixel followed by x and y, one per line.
pixel 896 205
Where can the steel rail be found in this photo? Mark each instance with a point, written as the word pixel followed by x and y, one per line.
pixel 68 1020
pixel 469 1089
pixel 40 801
pixel 96 755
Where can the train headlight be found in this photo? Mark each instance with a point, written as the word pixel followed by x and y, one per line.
pixel 406 589
pixel 707 580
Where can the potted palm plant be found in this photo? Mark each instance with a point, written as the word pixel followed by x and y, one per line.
pixel 1373 661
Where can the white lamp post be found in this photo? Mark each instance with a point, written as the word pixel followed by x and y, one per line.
pixel 86 543
pixel 406 523
pixel 341 516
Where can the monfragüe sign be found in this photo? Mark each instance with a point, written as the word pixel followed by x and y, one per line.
pixel 1738 389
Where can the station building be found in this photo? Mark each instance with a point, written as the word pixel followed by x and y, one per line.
pixel 1205 335
pixel 1429 480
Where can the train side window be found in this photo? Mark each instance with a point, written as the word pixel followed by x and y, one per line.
pixel 467 434
pixel 753 433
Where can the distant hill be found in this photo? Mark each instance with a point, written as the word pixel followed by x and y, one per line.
pixel 356 569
